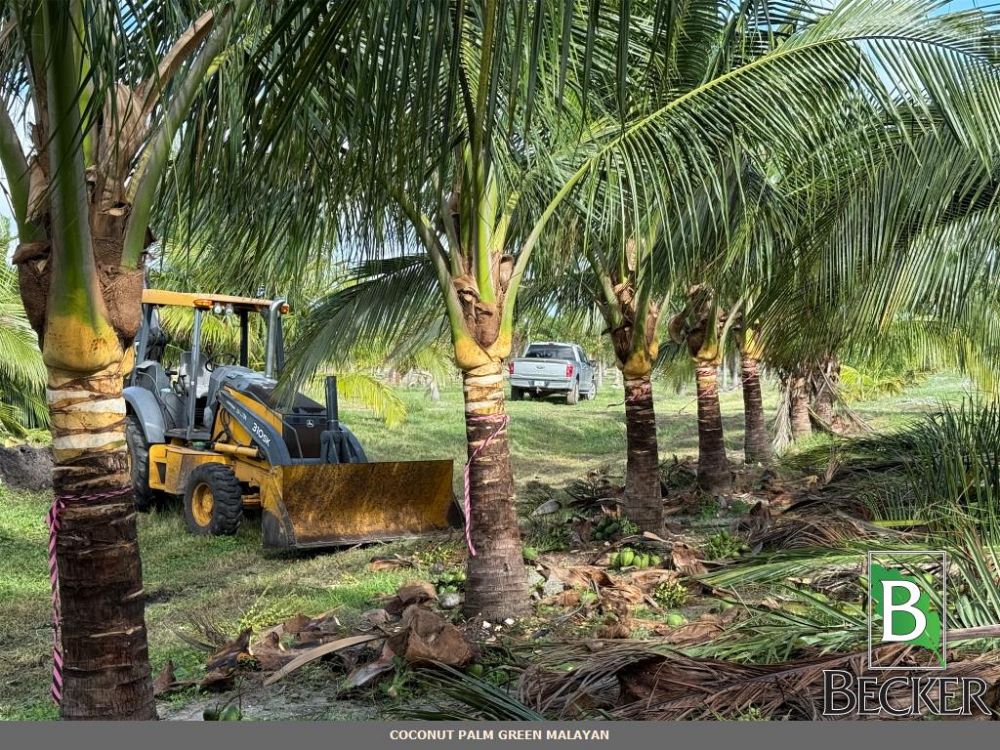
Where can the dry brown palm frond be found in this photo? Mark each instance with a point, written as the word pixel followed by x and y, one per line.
pixel 204 634
pixel 579 676
pixel 828 530
pixel 782 426
pixel 643 682
pixel 671 688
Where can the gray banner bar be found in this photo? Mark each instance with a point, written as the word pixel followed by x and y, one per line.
pixel 445 735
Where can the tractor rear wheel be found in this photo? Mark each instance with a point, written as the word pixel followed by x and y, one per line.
pixel 213 501
pixel 138 466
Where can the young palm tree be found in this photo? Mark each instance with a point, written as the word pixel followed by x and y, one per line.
pixel 632 315
pixel 105 87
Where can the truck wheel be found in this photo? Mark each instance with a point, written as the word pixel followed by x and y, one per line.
pixel 138 465
pixel 516 394
pixel 589 395
pixel 574 393
pixel 213 501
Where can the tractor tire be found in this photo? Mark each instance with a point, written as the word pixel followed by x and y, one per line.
pixel 573 396
pixel 213 501
pixel 138 465
pixel 516 394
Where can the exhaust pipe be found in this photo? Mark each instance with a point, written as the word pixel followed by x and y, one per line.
pixel 332 407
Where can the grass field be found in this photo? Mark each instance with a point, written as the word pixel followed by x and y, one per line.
pixel 232 584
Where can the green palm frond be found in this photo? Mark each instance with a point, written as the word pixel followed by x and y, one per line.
pixel 897 265
pixel 373 393
pixel 391 305
pixel 796 91
pixel 22 372
pixel 458 696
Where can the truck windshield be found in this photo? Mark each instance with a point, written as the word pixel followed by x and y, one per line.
pixel 549 351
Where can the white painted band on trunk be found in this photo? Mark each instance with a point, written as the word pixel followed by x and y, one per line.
pixel 483 380
pixel 60 394
pixel 85 441
pixel 104 405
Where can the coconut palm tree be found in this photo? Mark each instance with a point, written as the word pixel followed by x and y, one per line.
pixel 701 327
pixel 94 93
pixel 756 441
pixel 631 314
pixel 766 217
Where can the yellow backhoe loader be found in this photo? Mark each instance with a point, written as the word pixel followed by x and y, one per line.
pixel 214 432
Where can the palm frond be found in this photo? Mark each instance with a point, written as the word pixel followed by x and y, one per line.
pixel 22 372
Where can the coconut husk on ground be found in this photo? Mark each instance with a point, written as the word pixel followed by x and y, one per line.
pixel 405 628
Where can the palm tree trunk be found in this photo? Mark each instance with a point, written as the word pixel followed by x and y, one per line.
pixel 643 496
pixel 756 443
pixel 798 404
pixel 824 382
pixel 713 466
pixel 497 585
pixel 103 632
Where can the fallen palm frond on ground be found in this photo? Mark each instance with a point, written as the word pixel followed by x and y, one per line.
pixel 814 598
pixel 673 687
pixel 827 530
pixel 457 696
pixel 643 683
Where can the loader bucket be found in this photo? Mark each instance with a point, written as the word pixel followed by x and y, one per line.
pixel 320 505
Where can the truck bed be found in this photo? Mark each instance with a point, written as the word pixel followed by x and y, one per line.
pixel 542 374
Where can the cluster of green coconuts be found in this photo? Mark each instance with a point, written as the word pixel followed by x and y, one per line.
pixel 634 558
pixel 450 582
pixel 609 528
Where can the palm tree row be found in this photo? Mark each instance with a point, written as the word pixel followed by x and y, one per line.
pixel 527 144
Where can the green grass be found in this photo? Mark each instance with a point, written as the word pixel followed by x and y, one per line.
pixel 555 443
pixel 230 581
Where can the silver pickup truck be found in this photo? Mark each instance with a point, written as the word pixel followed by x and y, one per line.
pixel 552 367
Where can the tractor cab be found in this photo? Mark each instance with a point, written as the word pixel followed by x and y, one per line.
pixel 186 390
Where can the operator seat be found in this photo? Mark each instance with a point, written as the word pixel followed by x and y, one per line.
pixel 198 381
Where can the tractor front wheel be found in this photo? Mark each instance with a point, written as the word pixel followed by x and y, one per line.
pixel 213 501
pixel 138 464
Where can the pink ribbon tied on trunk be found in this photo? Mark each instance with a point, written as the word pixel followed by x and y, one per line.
pixel 501 421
